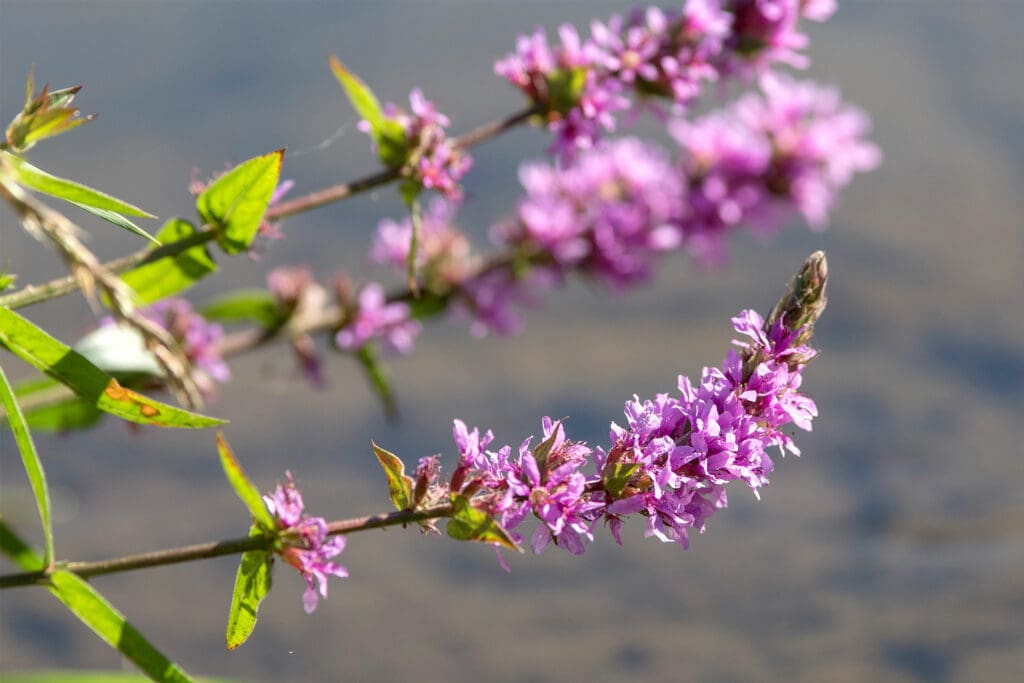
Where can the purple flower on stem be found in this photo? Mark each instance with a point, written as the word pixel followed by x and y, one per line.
pixel 304 543
pixel 434 161
pixel 442 250
pixel 375 319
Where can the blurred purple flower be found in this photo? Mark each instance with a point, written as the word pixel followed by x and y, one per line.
pixel 197 337
pixel 377 319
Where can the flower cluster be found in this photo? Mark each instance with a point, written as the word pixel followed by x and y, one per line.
pixel 792 146
pixel 669 462
pixel 436 163
pixel 303 542
pixel 197 337
pixel 579 85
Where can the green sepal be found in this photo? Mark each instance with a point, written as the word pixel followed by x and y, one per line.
pixel 30 459
pixel 43 352
pixel 244 487
pixel 29 176
pixel 168 276
pixel 470 524
pixel 234 204
pixel 565 86
pixel 543 449
pixel 248 305
pixel 252 583
pixel 615 476
pixel 399 483
pixel 388 135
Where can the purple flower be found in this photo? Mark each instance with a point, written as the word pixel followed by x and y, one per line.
pixel 376 319
pixel 304 542
pixel 197 337
pixel 435 162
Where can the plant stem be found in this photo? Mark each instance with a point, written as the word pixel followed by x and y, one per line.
pixel 203 551
pixel 33 294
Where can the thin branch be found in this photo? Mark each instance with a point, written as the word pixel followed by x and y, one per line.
pixel 203 551
pixel 33 294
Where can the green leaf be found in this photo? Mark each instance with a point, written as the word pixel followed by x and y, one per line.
pixel 252 305
pixel 93 676
pixel 470 524
pixel 7 280
pixel 118 220
pixel 252 583
pixel 58 409
pixel 173 274
pixel 28 175
pixel 616 476
pixel 21 553
pixel 388 134
pixel 30 458
pixel 94 611
pixel 399 483
pixel 377 373
pixel 242 485
pixel 235 202
pixel 45 353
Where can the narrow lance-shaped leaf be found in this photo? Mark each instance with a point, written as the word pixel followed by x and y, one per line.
pixel 235 203
pixel 117 219
pixel 19 552
pixel 30 458
pixel 37 179
pixel 470 524
pixel 399 483
pixel 387 133
pixel 86 603
pixel 93 610
pixel 60 362
pixel 168 276
pixel 252 583
pixel 245 489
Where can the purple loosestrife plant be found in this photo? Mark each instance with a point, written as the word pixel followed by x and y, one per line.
pixel 303 542
pixel 671 460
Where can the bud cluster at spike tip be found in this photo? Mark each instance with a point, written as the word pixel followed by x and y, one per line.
pixel 672 458
pixel 581 85
pixel 303 542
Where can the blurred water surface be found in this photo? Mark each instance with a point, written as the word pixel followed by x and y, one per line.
pixel 892 550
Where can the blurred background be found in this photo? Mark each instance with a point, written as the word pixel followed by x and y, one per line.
pixel 893 549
